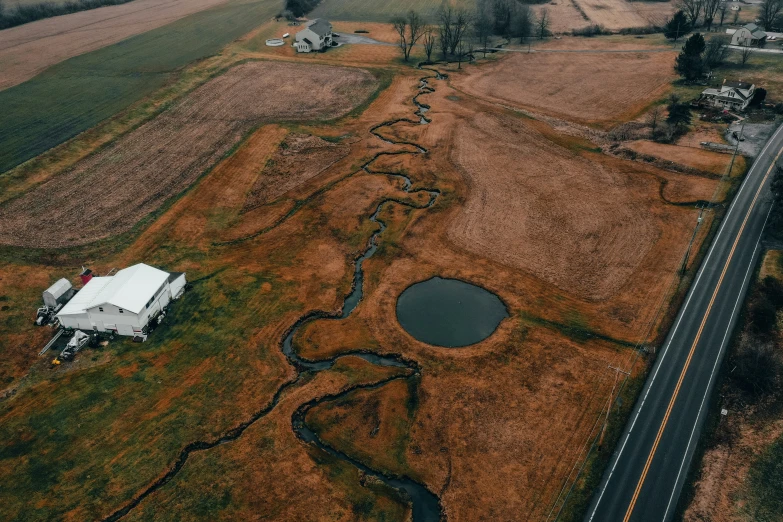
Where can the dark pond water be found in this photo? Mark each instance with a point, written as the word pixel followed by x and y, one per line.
pixel 449 312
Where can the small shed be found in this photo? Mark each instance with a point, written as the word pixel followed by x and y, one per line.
pixel 58 294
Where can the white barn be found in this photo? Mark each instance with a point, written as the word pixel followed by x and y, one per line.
pixel 316 36
pixel 123 303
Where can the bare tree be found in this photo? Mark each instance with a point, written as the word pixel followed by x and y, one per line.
pixel 445 16
pixel 454 24
pixel 483 24
pixel 503 13
pixel 429 42
pixel 524 21
pixel 410 30
pixel 460 52
pixel 710 8
pixel 692 8
pixel 654 118
pixel 542 24
pixel 768 13
pixel 716 51
pixel 745 55
pixel 459 29
pixel 723 8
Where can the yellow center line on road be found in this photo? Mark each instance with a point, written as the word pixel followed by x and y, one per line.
pixel 693 346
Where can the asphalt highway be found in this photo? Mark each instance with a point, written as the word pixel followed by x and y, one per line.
pixel 646 473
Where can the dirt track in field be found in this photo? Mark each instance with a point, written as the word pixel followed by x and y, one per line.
pixel 109 192
pixel 583 87
pixel 299 158
pixel 28 49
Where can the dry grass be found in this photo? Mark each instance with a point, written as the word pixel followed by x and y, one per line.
pixel 164 156
pixel 619 14
pixel 705 160
pixel 299 158
pixel 564 15
pixel 577 222
pixel 28 49
pixel 503 420
pixel 584 87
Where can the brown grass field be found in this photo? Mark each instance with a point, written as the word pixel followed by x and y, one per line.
pixel 299 158
pixel 576 86
pixel 586 229
pixel 705 160
pixel 28 49
pixel 620 14
pixel 163 157
pixel 505 420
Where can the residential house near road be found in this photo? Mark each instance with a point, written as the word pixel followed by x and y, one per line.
pixel 749 36
pixel 316 36
pixel 731 95
pixel 124 303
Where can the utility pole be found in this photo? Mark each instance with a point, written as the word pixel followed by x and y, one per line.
pixel 617 372
pixel 736 148
pixel 690 244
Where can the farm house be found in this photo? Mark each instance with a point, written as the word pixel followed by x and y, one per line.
pixel 124 303
pixel 730 95
pixel 316 36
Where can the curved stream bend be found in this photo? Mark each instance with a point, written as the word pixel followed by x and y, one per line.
pixel 425 504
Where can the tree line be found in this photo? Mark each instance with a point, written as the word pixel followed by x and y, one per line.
pixel 706 13
pixel 25 13
pixel 460 33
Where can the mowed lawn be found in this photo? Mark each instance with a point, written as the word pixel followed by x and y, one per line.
pixel 381 10
pixel 78 93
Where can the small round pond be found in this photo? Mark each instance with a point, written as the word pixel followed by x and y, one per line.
pixel 449 312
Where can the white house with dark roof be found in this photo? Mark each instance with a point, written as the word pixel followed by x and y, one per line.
pixel 731 95
pixel 123 303
pixel 749 36
pixel 316 36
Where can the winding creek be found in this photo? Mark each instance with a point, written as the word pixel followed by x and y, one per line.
pixel 425 504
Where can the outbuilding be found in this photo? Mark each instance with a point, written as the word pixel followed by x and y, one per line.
pixel 749 36
pixel 58 294
pixel 124 303
pixel 316 36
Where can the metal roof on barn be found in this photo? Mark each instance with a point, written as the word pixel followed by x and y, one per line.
pixel 129 289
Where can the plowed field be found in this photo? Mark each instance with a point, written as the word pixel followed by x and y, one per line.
pixel 299 158
pixel 28 49
pixel 619 14
pixel 590 87
pixel 574 223
pixel 109 192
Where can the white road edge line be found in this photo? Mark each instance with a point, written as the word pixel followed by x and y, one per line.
pixel 682 313
pixel 715 367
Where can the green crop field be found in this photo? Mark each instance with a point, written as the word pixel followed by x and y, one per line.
pixel 78 93
pixel 380 10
